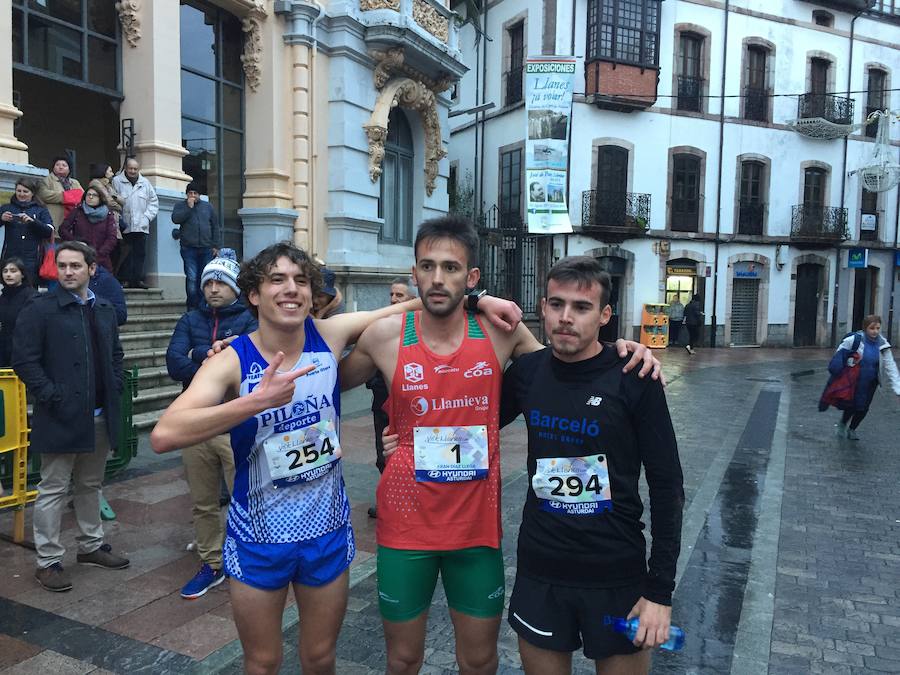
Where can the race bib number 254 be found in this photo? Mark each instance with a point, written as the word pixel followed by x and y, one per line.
pixel 302 455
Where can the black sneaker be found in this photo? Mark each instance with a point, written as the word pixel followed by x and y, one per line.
pixel 103 557
pixel 53 578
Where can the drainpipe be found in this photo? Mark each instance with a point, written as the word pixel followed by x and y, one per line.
pixel 837 248
pixel 893 266
pixel 476 199
pixel 484 40
pixel 715 322
pixel 569 146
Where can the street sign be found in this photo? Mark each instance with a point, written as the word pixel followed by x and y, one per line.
pixel 858 258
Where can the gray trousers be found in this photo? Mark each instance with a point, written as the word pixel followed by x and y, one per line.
pixel 85 470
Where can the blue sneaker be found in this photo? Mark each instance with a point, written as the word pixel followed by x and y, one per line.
pixel 205 579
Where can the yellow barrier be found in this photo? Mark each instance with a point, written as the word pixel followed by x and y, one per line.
pixel 14 439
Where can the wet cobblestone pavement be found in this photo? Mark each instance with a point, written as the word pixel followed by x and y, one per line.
pixel 790 558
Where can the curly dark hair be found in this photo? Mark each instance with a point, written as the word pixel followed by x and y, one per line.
pixel 256 270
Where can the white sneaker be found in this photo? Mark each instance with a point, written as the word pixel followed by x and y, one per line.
pixel 852 435
pixel 840 430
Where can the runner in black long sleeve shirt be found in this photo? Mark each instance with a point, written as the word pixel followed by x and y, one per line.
pixel 581 552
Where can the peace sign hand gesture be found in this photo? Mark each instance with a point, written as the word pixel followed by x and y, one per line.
pixel 277 389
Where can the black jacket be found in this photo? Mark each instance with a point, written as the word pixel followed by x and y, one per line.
pixel 52 355
pixel 11 303
pixel 198 226
pixel 693 313
pixel 24 239
pixel 197 330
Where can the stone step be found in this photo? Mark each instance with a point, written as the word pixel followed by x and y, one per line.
pixel 144 358
pixel 157 398
pixel 149 323
pixel 153 377
pixel 146 421
pixel 145 340
pixel 142 294
pixel 145 307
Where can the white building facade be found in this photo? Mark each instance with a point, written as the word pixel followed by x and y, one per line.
pixel 686 171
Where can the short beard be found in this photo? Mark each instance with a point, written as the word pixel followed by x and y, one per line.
pixel 447 310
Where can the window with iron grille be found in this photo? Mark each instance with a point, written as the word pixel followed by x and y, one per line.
pixel 690 82
pixel 751 207
pixel 511 188
pixel 875 98
pixel 887 7
pixel 756 93
pixel 625 31
pixel 516 37
pixel 685 193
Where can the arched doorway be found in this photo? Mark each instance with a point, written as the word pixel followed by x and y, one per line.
pixel 395 201
pixel 806 303
pixel 616 267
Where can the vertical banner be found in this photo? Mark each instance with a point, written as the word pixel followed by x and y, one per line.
pixel 548 104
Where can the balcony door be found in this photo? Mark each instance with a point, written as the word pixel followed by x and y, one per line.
pixel 612 185
pixel 690 49
pixel 756 101
pixel 751 205
pixel 813 200
pixel 686 193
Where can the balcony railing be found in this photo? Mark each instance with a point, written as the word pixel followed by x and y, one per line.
pixel 615 214
pixel 836 109
pixel 689 93
pixel 513 86
pixel 818 224
pixel 751 215
pixel 756 104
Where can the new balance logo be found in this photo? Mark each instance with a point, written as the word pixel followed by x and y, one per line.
pixel 594 400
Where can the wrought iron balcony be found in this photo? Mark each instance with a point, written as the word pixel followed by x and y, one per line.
pixel 756 104
pixel 836 109
pixel 812 224
pixel 513 86
pixel 751 215
pixel 615 215
pixel 689 93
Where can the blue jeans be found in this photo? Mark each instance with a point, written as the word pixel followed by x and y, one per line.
pixel 195 259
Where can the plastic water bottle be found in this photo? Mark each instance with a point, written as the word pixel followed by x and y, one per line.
pixel 630 628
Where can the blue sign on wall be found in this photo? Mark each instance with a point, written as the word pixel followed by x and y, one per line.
pixel 897 258
pixel 858 258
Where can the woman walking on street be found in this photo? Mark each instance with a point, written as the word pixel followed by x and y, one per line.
pixel 693 319
pixel 876 364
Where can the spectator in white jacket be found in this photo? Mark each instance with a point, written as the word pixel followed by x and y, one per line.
pixel 140 208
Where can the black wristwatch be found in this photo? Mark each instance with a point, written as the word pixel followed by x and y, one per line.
pixel 473 298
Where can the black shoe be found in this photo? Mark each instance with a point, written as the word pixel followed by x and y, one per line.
pixel 141 285
pixel 54 578
pixel 372 512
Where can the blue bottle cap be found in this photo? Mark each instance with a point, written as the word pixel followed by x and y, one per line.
pixel 620 625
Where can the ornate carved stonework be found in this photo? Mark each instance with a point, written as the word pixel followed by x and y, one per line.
pixel 367 5
pixel 430 19
pixel 252 56
pixel 128 16
pixel 411 95
pixel 391 61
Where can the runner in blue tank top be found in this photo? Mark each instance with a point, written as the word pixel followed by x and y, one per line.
pixel 288 523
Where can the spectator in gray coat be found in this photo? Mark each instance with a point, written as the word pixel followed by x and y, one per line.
pixel 199 236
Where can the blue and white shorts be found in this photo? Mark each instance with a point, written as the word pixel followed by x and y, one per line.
pixel 312 562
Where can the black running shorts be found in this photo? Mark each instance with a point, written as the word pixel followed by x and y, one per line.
pixel 562 618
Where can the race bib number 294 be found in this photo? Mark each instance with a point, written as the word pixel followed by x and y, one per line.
pixel 573 485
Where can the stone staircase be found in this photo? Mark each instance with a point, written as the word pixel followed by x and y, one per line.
pixel 145 336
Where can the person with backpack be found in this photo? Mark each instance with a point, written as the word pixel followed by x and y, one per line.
pixel 869 351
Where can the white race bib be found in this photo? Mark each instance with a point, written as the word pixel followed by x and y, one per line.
pixel 450 454
pixel 573 485
pixel 302 455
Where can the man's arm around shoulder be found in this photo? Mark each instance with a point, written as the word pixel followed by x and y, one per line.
pixel 360 364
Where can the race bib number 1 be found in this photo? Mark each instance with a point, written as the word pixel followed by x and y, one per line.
pixel 302 455
pixel 450 454
pixel 573 485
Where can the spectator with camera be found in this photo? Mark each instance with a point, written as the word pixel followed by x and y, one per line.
pixel 28 225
